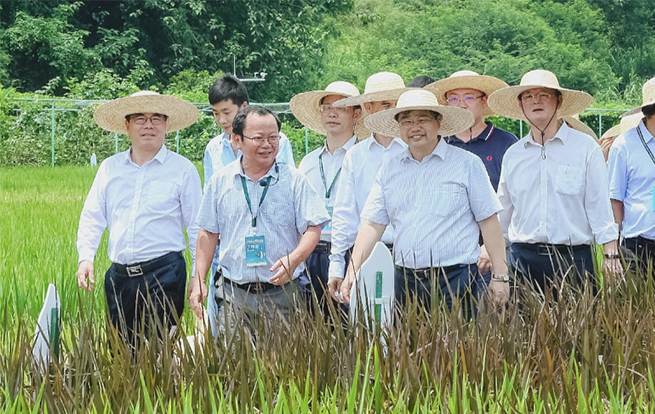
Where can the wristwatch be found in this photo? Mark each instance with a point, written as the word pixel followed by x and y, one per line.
pixel 500 278
pixel 612 256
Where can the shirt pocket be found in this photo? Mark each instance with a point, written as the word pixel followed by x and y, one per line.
pixel 448 198
pixel 568 180
pixel 162 194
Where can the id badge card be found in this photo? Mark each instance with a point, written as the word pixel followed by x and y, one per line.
pixel 255 251
pixel 328 227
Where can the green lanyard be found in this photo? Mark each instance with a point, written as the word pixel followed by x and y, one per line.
pixel 261 200
pixel 328 190
pixel 643 141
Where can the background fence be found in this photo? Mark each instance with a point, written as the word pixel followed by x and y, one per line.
pixel 62 131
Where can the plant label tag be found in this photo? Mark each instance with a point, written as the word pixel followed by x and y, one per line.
pixel 255 251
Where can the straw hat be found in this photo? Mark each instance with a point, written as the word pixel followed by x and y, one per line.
pixel 470 80
pixel 505 101
pixel 381 86
pixel 454 120
pixel 111 115
pixel 626 124
pixel 306 107
pixel 575 123
pixel 647 96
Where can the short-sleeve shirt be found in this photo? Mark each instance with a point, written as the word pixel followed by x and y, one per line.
pixel 434 206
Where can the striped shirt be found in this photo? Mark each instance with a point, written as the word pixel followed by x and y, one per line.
pixel 434 206
pixel 291 205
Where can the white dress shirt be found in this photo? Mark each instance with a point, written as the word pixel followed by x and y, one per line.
pixel 358 172
pixel 310 168
pixel 562 199
pixel 145 208
pixel 289 207
pixel 632 181
pixel 434 206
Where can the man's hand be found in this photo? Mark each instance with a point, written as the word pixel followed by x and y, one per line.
pixel 498 292
pixel 197 296
pixel 334 287
pixel 284 268
pixel 613 268
pixel 85 277
pixel 484 261
pixel 347 285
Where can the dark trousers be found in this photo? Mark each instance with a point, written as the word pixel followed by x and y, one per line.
pixel 439 283
pixel 643 249
pixel 148 293
pixel 545 264
pixel 318 264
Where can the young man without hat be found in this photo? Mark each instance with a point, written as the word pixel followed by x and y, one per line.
pixel 269 219
pixel 632 178
pixel 226 96
pixel 358 171
pixel 343 128
pixel 438 218
pixel 553 186
pixel 146 197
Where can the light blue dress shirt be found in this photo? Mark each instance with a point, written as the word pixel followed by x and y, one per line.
pixel 434 206
pixel 632 181
pixel 358 172
pixel 291 205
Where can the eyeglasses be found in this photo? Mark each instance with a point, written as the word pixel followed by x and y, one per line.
pixel 259 141
pixel 467 99
pixel 540 97
pixel 408 123
pixel 156 119
pixel 329 107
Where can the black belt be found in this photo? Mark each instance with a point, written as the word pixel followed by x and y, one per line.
pixel 254 287
pixel 325 246
pixel 140 269
pixel 428 272
pixel 642 241
pixel 546 249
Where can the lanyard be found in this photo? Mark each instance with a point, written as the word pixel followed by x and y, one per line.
pixel 328 190
pixel 261 200
pixel 643 141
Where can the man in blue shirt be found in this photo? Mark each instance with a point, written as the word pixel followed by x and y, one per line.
pixel 227 96
pixel 632 180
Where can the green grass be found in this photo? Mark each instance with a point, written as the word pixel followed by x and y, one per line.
pixel 541 356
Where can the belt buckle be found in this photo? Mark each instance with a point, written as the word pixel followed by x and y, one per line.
pixel 133 271
pixel 423 273
pixel 543 250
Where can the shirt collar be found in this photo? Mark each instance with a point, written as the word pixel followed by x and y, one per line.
pixel 439 151
pixel 483 136
pixel 348 145
pixel 160 156
pixel 644 131
pixel 274 171
pixel 562 135
pixel 371 141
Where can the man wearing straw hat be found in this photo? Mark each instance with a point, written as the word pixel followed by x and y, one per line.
pixel 553 185
pixel 437 219
pixel 269 219
pixel 358 172
pixel 146 197
pixel 342 127
pixel 632 178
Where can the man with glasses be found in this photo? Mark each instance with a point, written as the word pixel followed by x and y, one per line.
pixel 146 197
pixel 342 127
pixel 438 199
pixel 553 186
pixel 269 219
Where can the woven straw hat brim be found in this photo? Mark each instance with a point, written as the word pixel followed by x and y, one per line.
pixel 578 125
pixel 305 107
pixel 389 95
pixel 484 83
pixel 637 110
pixel 505 102
pixel 626 124
pixel 111 115
pixel 455 120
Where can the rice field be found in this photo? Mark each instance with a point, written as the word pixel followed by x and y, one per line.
pixel 583 353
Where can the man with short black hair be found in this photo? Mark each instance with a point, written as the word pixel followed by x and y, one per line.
pixel 632 179
pixel 145 197
pixel 269 219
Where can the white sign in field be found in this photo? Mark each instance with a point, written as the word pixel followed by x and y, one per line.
pixel 46 336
